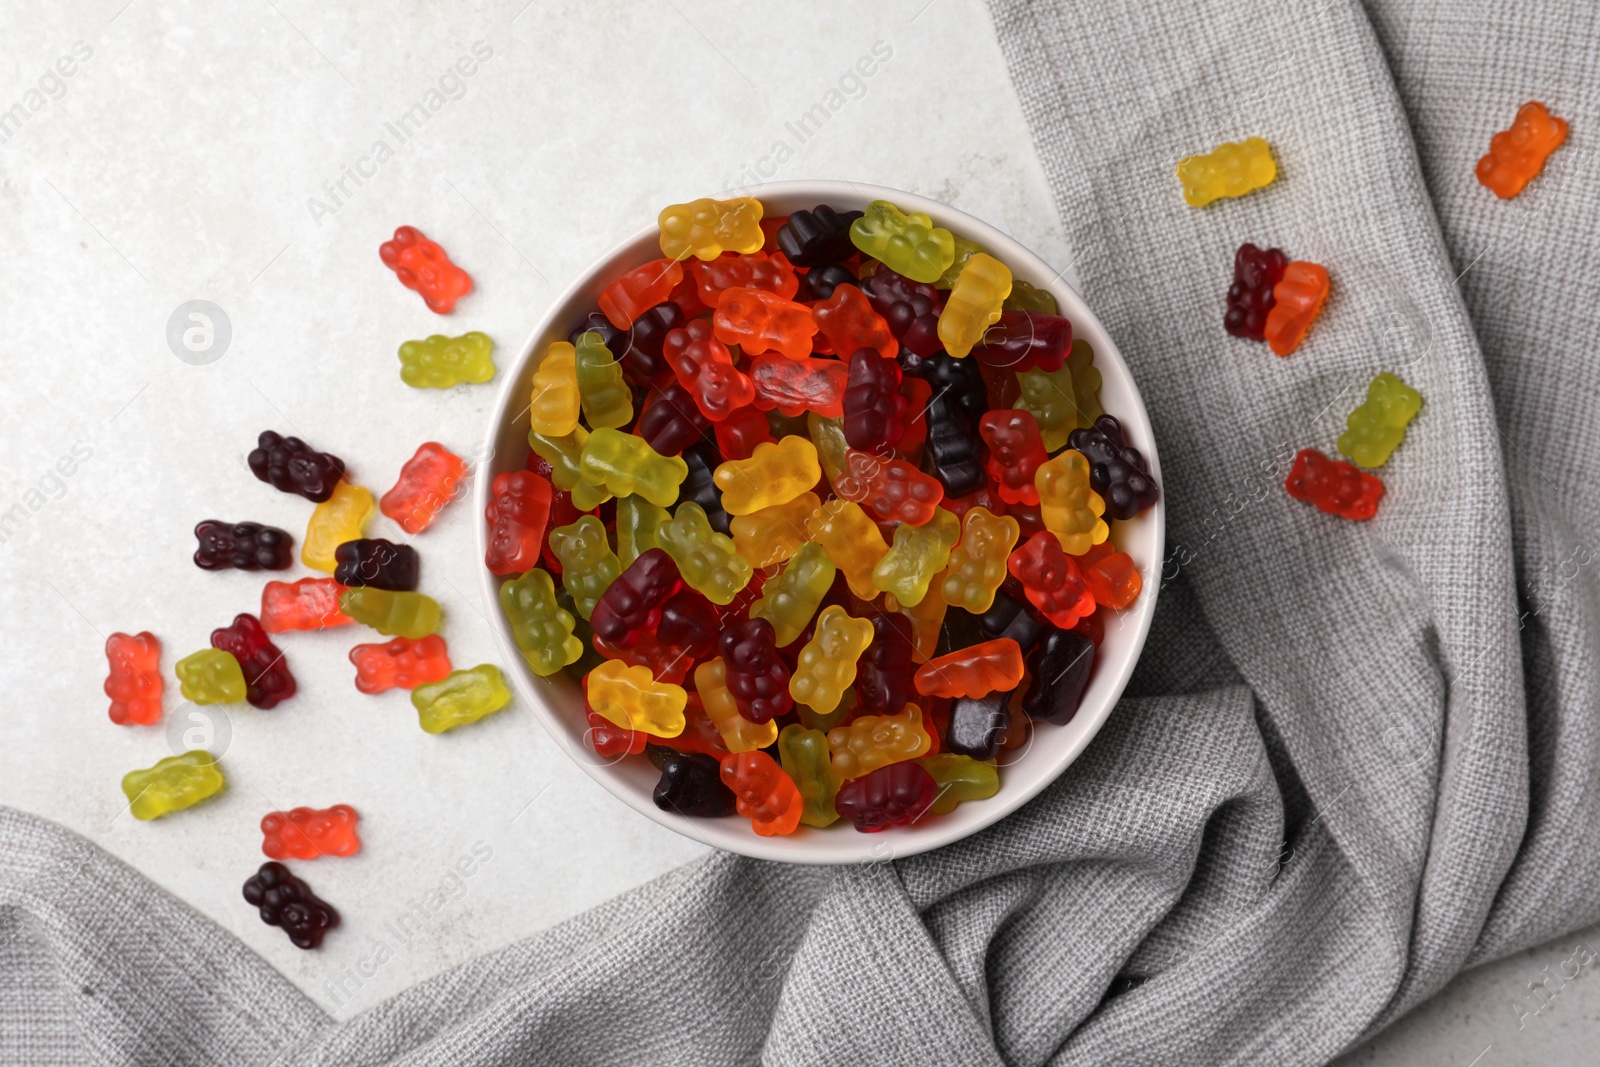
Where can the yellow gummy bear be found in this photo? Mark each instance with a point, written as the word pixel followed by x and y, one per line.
pixel 1069 508
pixel 771 535
pixel 852 540
pixel 975 303
pixel 553 408
pixel 706 228
pixel 827 664
pixel 874 741
pixel 1234 169
pixel 631 698
pixel 775 473
pixel 338 519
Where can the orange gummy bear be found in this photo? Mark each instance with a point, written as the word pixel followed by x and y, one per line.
pixel 1516 156
pixel 1296 301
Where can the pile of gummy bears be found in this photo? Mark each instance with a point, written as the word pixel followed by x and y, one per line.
pixel 817 508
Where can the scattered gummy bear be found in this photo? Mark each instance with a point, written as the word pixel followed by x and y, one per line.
pixel 463 697
pixel 1376 428
pixel 422 266
pixel 285 901
pixel 336 520
pixel 1516 156
pixel 173 784
pixel 307 833
pixel 290 465
pixel 134 684
pixel 1334 486
pixel 1229 171
pixel 1297 299
pixel 211 676
pixel 439 362
pixel 427 482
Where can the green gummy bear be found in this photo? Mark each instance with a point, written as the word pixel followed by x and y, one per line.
pixel 908 244
pixel 564 454
pixel 390 612
pixel 918 553
pixel 588 566
pixel 790 598
pixel 439 362
pixel 1063 400
pixel 805 758
pixel 540 626
pixel 211 676
pixel 625 464
pixel 1376 428
pixel 607 400
pixel 706 559
pixel 1027 297
pixel 964 250
pixel 637 521
pixel 960 778
pixel 463 697
pixel 173 784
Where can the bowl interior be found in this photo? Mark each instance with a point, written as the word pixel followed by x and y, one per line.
pixel 1024 772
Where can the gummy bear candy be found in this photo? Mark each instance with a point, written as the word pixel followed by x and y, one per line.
pixel 377 562
pixel 1117 470
pixel 804 753
pixel 423 267
pixel 1296 301
pixel 1069 507
pixel 439 362
pixel 705 368
pixel 894 490
pixel 757 676
pixel 609 741
pixel 1376 428
pixel 689 621
pixel 1051 580
pixel 896 795
pixel 910 309
pixel 874 741
pixel 706 559
pixel 771 273
pixel 908 244
pixel 850 323
pixel 565 456
pixel 427 482
pixel 542 629
pixel 764 793
pixel 290 465
pixel 390 613
pixel 266 674
pixel 827 664
pixel 671 420
pixel 307 833
pixel 960 779
pixel 625 465
pixel 1112 577
pixel 978 725
pixel 607 400
pixel 245 546
pixel 462 697
pixel 173 784
pixel 975 671
pixel 401 664
pixel 518 510
pixel 789 600
pixel 1255 272
pixel 1015 453
pixel 1025 340
pixel 1027 297
pixel 964 251
pixel 588 566
pixel 740 433
pixel 638 291
pixel 1007 617
pixel 210 676
pixel 707 228
pixel 1516 156
pixel 916 556
pixel 691 784
pixel 1334 486
pixel 758 321
pixel 288 902
pixel 1060 668
pixel 631 605
pixel 773 534
pixel 554 403
pixel 1229 171
pixel 874 408
pixel 952 449
pixel 883 676
pixel 134 684
pixel 1062 401
pixel 637 522
pixel 819 283
pixel 336 520
pixel 974 304
pixel 818 237
pixel 630 697
pixel 852 541
pixel 959 380
pixel 739 733
pixel 796 386
pixel 978 562
pixel 774 474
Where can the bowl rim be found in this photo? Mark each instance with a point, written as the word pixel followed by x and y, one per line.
pixel 839 844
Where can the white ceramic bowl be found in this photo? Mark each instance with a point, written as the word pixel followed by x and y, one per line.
pixel 557 701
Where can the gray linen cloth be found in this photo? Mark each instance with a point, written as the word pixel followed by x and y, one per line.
pixel 1356 758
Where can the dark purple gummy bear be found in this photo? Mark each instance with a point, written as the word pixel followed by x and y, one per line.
pixel 376 562
pixel 1009 617
pixel 267 679
pixel 883 674
pixel 910 308
pixel 819 283
pixel 691 784
pixel 699 485
pixel 757 676
pixel 1117 470
pixel 874 409
pixel 817 237
pixel 951 453
pixel 1255 272
pixel 245 546
pixel 1060 667
pixel 290 465
pixel 959 380
pixel 287 902
pixel 978 725
pixel 671 421
pixel 895 795
pixel 631 605
pixel 1025 340
pixel 689 621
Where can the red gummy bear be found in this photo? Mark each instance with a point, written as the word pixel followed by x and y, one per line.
pixel 704 366
pixel 519 508
pixel 1015 452
pixel 771 273
pixel 758 321
pixel 1025 340
pixel 1051 580
pixel 849 322
pixel 1337 487
pixel 306 833
pixel 763 793
pixel 740 433
pixel 423 266
pixel 134 684
pixel 266 673
pixel 639 290
pixel 427 482
pixel 401 664
pixel 796 386
pixel 309 604
pixel 894 490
